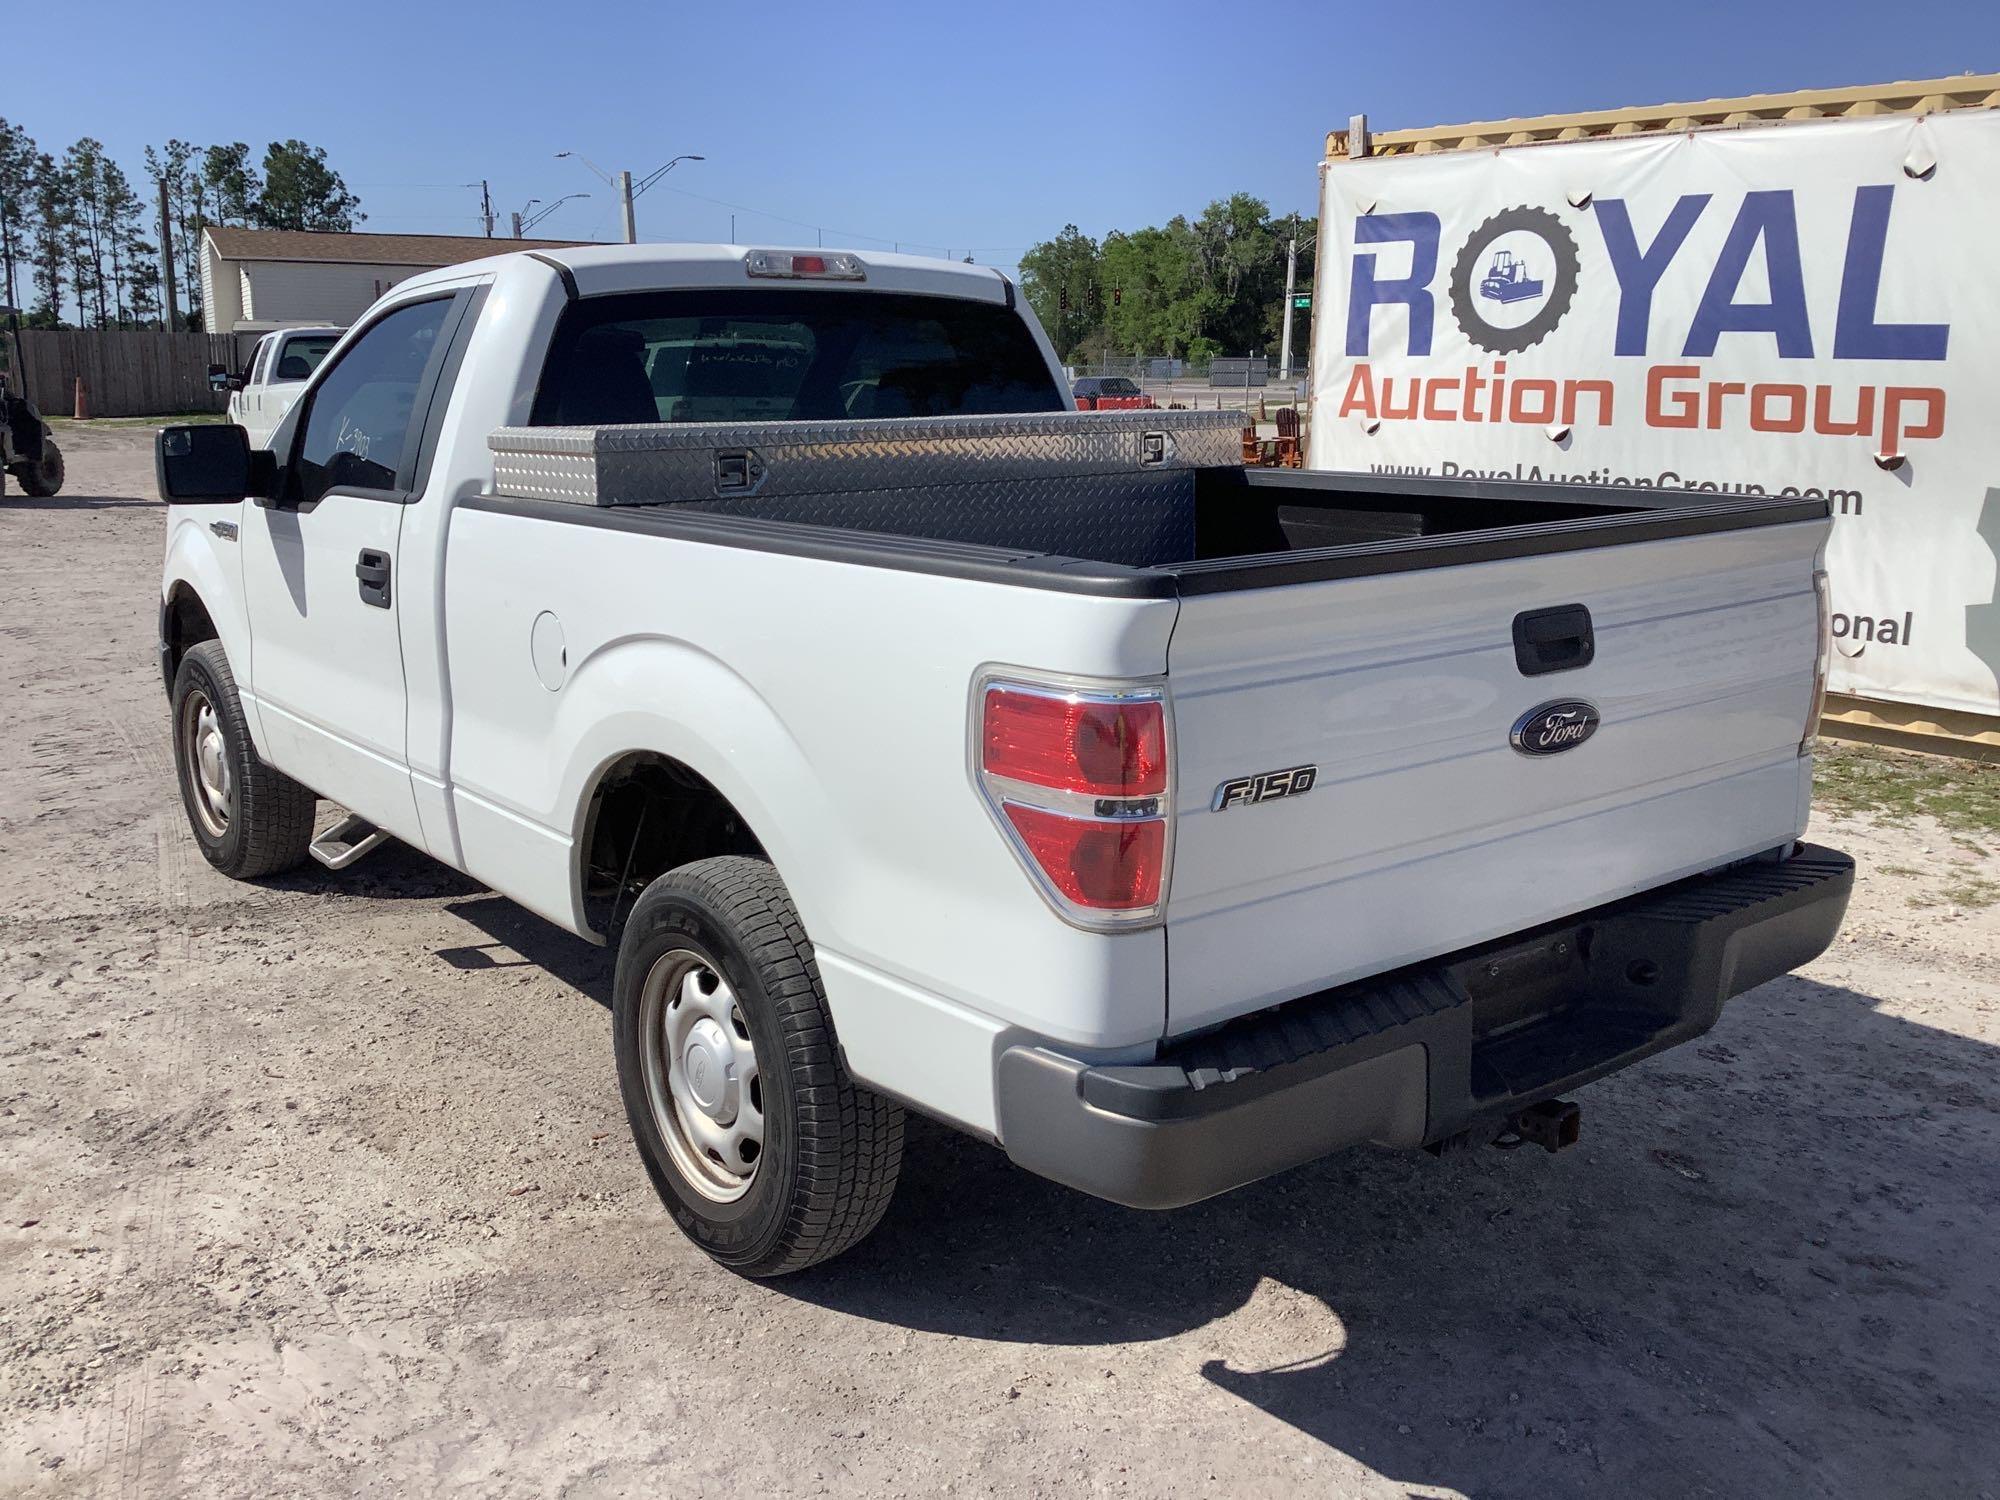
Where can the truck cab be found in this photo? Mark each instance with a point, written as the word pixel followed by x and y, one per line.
pixel 279 368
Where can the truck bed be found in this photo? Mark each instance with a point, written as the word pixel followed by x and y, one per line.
pixel 1130 503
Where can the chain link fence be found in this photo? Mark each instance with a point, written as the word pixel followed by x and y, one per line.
pixel 1225 382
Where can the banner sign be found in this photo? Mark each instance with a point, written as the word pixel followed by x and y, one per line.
pixel 1802 309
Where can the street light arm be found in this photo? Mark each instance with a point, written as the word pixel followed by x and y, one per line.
pixel 532 220
pixel 641 186
pixel 609 179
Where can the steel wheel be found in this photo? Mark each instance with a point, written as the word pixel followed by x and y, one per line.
pixel 701 1076
pixel 206 754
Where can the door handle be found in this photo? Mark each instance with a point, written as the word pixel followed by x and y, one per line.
pixel 373 571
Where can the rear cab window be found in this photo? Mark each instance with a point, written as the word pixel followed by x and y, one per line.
pixel 302 354
pixel 758 354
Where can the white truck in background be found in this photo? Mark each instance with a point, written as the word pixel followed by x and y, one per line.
pixel 277 373
pixel 922 742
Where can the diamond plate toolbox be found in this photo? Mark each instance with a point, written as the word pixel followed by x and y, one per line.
pixel 712 465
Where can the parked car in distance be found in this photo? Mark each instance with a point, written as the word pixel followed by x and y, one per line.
pixel 278 371
pixel 918 741
pixel 1110 393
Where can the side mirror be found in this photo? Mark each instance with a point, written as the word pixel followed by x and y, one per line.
pixel 219 379
pixel 212 464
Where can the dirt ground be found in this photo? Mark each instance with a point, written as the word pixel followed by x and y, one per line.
pixel 322 1188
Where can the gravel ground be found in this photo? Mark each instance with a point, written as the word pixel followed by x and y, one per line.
pixel 321 1187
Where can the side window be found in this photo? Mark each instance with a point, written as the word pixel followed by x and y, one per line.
pixel 257 362
pixel 359 430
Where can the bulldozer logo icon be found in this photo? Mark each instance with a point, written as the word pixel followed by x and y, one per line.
pixel 1507 279
pixel 1514 280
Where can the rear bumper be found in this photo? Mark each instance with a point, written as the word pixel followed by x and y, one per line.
pixel 1422 1054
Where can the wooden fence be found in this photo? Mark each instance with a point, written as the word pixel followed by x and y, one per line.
pixel 135 373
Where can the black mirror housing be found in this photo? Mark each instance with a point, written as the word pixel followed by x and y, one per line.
pixel 212 464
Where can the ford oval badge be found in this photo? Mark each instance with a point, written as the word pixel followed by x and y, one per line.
pixel 1551 728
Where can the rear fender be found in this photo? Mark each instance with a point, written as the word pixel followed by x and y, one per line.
pixel 671 698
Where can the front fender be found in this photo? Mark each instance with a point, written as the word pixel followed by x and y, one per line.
pixel 200 561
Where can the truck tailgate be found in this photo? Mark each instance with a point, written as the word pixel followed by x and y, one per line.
pixel 1425 831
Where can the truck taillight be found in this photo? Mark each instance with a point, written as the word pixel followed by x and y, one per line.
pixel 1104 864
pixel 1077 779
pixel 1108 747
pixel 1822 663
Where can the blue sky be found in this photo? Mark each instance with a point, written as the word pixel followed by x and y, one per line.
pixel 943 126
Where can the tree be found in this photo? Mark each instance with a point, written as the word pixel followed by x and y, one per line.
pixel 176 166
pixel 51 243
pixel 1202 287
pixel 89 239
pixel 17 186
pixel 1243 262
pixel 232 187
pixel 302 192
pixel 1061 282
pixel 124 243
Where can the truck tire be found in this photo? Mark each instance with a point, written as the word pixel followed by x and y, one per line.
pixel 766 1153
pixel 43 479
pixel 249 819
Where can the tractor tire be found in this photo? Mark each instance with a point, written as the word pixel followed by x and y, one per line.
pixel 43 479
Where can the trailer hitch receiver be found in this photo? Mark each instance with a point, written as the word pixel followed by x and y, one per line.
pixel 1552 1125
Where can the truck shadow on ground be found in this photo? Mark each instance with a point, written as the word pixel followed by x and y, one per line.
pixel 15 500
pixel 1766 1269
pixel 395 872
pixel 517 938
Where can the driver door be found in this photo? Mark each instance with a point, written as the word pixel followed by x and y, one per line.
pixel 319 566
pixel 244 409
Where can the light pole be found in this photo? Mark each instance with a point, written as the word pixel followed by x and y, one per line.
pixel 524 221
pixel 627 191
pixel 1291 292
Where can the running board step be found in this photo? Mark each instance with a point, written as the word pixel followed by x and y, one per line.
pixel 345 842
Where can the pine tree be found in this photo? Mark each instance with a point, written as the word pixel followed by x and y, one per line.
pixel 51 242
pixel 83 166
pixel 302 192
pixel 122 236
pixel 177 166
pixel 17 187
pixel 233 188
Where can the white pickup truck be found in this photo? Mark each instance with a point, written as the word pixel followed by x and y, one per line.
pixel 279 368
pixel 921 742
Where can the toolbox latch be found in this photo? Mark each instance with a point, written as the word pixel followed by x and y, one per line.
pixel 1156 449
pixel 738 471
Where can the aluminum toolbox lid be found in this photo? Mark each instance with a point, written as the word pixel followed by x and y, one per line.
pixel 664 463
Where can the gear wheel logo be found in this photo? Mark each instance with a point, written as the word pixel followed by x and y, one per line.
pixel 1514 280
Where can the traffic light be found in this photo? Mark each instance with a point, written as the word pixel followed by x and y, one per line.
pixel 1118 296
pixel 1062 302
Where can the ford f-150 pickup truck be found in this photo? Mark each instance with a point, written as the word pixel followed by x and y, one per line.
pixel 277 374
pixel 921 742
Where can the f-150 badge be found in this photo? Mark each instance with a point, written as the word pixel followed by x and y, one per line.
pixel 1551 728
pixel 1267 786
